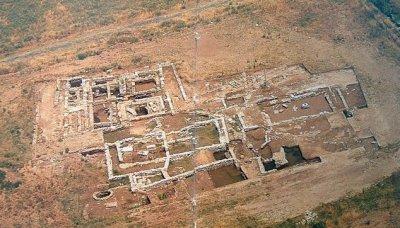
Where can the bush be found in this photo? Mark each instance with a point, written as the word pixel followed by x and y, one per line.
pixel 122 37
pixel 307 19
pixel 84 55
pixel 140 59
pixel 165 24
pixel 180 25
pixel 7 185
pixel 6 164
pixel 4 71
pixel 289 223
pixel 318 225
pixel 150 34
pixel 2 176
pixel 157 5
pixel 81 56
pixel 234 8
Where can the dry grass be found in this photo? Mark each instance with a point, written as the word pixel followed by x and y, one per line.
pixel 384 197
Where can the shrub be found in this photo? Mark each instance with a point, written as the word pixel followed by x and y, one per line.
pixel 166 24
pixel 7 185
pixel 4 71
pixel 2 176
pixel 6 164
pixel 180 25
pixel 150 34
pixel 307 19
pixel 84 55
pixel 122 38
pixel 163 196
pixel 81 56
pixel 318 225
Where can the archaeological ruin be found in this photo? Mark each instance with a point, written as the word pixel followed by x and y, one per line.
pixel 155 130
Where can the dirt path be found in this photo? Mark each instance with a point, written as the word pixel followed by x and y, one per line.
pixel 49 117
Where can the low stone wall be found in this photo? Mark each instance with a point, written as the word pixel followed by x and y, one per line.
pixel 109 163
pixel 92 150
pixel 214 165
pixel 181 176
pixel 179 156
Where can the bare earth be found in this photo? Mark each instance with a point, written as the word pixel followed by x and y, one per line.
pixel 58 182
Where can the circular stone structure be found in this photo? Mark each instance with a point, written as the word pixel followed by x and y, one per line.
pixel 103 195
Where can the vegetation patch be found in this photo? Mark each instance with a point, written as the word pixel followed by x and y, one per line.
pixel 157 5
pixel 150 34
pixel 84 55
pixel 238 8
pixel 7 185
pixel 391 8
pixel 174 25
pixel 122 37
pixel 307 19
pixel 384 196
pixel 139 59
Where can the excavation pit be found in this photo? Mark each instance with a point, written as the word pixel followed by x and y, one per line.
pixel 115 91
pixel 293 155
pixel 269 165
pixel 355 96
pixel 142 111
pixel 99 93
pixel 226 175
pixel 145 85
pixel 75 82
pixel 100 114
pixel 220 155
pixel 348 113
pixel 103 195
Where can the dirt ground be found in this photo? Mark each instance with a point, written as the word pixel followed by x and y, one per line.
pixel 234 36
